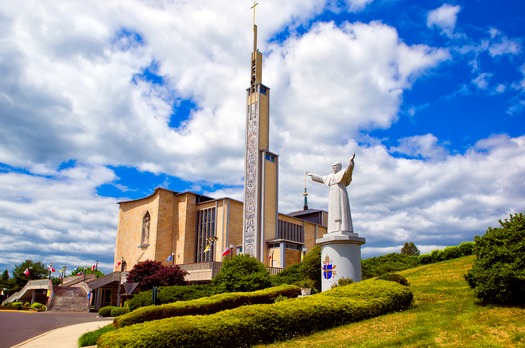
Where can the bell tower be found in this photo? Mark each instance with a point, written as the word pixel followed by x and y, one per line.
pixel 260 166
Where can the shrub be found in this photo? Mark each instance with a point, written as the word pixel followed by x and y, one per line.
pixel 394 262
pixel 289 275
pixel 437 256
pixel 310 267
pixel 116 311
pixel 394 277
pixel 265 323
pixel 466 248
pixel 343 281
pixel 280 298
pixel 38 306
pixel 90 338
pixel 242 273
pixel 16 304
pixel 305 283
pixel 498 273
pixel 451 252
pixel 425 259
pixel 207 305
pixel 105 311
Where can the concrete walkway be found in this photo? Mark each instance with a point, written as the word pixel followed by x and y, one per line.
pixel 64 337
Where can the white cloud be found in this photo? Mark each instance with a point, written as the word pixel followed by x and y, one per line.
pixel 357 5
pixel 444 18
pixel 444 201
pixel 338 75
pixel 482 80
pixel 423 146
pixel 70 90
pixel 47 217
pixel 500 44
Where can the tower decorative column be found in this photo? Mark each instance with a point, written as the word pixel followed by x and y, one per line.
pixel 261 166
pixel 340 246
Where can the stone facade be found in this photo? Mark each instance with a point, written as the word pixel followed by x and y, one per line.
pixel 178 226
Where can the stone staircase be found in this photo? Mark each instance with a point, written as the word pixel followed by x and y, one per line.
pixel 68 299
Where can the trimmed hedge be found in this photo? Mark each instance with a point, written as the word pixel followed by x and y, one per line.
pixel 170 294
pixel 90 338
pixel 105 311
pixel 118 311
pixel 394 277
pixel 265 323
pixel 206 305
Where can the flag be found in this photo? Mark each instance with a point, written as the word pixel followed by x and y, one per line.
pixel 170 258
pixel 269 256
pixel 226 251
pixel 51 269
pixel 94 267
pixel 118 264
pixel 26 272
pixel 207 248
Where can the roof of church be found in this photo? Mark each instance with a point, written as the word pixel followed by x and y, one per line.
pixel 202 198
pixel 304 212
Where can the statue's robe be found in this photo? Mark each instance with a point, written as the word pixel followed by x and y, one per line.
pixel 339 217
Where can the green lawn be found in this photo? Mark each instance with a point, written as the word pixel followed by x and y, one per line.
pixel 444 314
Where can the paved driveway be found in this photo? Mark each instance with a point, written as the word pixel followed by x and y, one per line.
pixel 19 326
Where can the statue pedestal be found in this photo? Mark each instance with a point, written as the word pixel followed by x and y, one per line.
pixel 340 257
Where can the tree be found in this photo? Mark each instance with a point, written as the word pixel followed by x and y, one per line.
pixel 86 270
pixel 310 267
pixel 409 248
pixel 4 283
pixel 153 273
pixel 4 278
pixel 242 273
pixel 498 272
pixel 34 270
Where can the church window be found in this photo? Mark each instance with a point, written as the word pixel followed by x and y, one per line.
pixel 290 231
pixel 206 235
pixel 145 228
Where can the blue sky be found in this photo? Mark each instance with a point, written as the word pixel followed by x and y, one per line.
pixel 102 103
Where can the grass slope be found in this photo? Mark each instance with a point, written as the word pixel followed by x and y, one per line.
pixel 444 314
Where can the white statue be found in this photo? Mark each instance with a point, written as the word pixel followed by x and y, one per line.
pixel 339 218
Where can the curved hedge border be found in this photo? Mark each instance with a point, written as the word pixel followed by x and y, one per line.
pixel 205 305
pixel 264 323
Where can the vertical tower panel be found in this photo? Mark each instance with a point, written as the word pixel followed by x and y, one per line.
pixel 260 177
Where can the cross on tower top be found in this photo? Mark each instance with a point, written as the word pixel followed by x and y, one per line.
pixel 254 4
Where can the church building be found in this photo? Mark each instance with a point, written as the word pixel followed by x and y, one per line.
pixel 197 232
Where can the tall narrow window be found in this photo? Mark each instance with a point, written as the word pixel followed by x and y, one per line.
pixel 206 235
pixel 145 229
